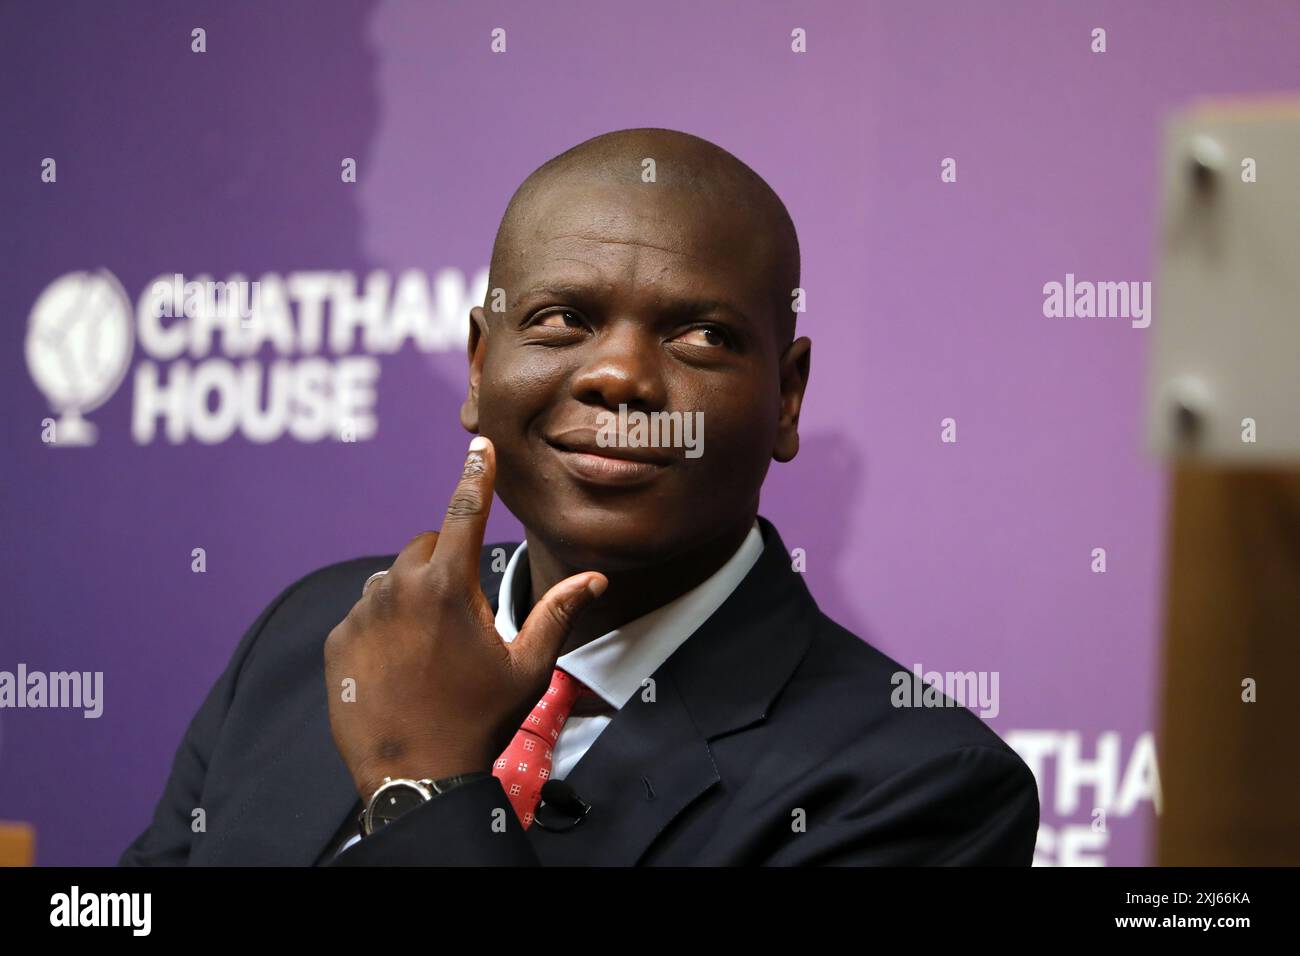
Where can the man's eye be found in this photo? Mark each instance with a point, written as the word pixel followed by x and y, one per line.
pixel 560 320
pixel 707 336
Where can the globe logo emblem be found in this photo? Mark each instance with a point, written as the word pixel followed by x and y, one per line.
pixel 79 343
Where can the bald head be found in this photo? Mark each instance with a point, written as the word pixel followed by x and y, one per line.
pixel 692 174
pixel 665 296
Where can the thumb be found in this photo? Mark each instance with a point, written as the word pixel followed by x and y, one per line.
pixel 551 619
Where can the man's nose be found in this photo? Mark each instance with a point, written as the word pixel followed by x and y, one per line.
pixel 623 366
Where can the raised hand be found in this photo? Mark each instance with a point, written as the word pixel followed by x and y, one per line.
pixel 437 692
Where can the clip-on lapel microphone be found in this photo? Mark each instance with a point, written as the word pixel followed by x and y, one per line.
pixel 563 800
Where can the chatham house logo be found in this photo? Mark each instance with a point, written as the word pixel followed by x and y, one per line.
pixel 79 341
pixel 285 356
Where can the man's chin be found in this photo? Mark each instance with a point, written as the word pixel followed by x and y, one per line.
pixel 610 543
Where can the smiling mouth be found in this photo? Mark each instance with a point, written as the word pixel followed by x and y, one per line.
pixel 609 466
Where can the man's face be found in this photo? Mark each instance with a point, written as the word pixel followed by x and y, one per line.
pixel 630 295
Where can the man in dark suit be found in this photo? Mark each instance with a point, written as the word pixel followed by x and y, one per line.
pixel 646 680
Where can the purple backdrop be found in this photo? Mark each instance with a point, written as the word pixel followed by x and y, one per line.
pixel 924 302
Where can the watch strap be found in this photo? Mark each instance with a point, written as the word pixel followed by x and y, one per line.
pixel 450 783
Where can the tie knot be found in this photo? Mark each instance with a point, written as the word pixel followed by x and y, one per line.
pixel 565 689
pixel 549 714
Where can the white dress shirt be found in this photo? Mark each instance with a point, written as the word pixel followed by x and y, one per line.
pixel 615 664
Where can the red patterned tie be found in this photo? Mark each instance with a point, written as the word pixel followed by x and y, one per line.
pixel 525 766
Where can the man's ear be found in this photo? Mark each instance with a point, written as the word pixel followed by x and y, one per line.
pixel 794 379
pixel 477 349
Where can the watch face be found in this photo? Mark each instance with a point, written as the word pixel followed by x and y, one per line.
pixel 393 802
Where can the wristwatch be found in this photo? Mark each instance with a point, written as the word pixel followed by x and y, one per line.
pixel 396 797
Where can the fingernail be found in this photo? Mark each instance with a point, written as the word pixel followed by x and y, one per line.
pixel 478 444
pixel 597 586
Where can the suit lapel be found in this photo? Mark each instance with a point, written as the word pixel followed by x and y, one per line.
pixel 646 766
pixel 653 759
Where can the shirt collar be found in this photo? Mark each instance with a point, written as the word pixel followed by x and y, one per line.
pixel 614 664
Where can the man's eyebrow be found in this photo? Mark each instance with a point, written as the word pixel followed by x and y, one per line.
pixel 689 307
pixel 683 307
pixel 559 290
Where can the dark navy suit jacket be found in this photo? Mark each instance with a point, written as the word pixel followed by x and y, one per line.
pixel 771 739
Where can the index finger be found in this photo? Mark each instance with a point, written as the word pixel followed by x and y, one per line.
pixel 460 542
